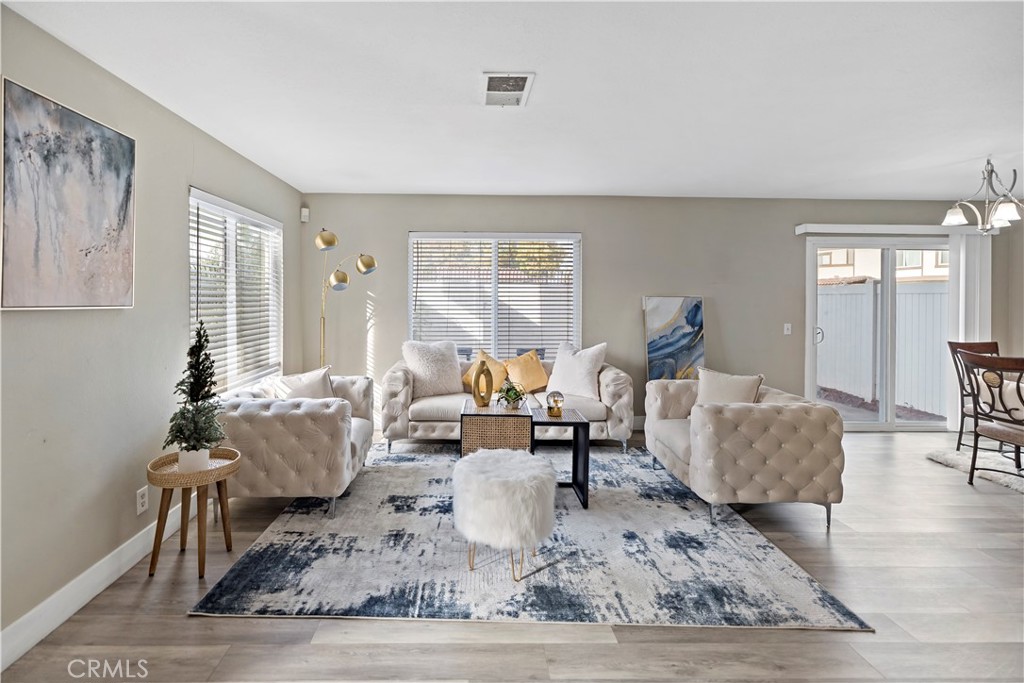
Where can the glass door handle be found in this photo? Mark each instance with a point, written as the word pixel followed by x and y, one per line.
pixel 819 335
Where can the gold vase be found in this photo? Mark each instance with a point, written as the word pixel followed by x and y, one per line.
pixel 481 371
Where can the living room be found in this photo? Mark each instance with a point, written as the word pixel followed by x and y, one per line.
pixel 736 154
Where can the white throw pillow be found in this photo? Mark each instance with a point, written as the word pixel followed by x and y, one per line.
pixel 575 371
pixel 718 387
pixel 434 367
pixel 312 384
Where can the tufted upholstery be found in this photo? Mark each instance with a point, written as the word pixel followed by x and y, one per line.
pixel 438 417
pixel 299 447
pixel 781 449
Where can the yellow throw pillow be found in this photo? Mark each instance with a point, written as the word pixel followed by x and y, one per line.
pixel 496 367
pixel 527 371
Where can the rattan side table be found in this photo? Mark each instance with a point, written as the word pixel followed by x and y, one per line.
pixel 494 427
pixel 163 473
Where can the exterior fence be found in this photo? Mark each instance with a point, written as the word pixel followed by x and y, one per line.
pixel 849 355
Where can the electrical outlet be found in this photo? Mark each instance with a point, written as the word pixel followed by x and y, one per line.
pixel 787 328
pixel 141 500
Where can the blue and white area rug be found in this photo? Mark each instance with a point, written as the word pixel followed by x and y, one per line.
pixel 645 552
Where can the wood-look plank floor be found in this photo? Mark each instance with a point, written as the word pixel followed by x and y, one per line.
pixel 933 564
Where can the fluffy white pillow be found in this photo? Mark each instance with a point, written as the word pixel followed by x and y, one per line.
pixel 434 367
pixel 312 384
pixel 575 371
pixel 718 387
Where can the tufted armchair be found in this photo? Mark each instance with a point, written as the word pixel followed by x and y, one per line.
pixel 299 447
pixel 783 448
pixel 439 417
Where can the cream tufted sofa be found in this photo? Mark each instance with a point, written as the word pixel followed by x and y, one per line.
pixel 299 447
pixel 439 417
pixel 783 448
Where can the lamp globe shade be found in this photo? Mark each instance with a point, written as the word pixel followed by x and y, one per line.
pixel 955 216
pixel 366 264
pixel 339 280
pixel 1007 211
pixel 326 240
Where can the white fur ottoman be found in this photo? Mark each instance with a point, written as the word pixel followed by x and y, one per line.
pixel 504 499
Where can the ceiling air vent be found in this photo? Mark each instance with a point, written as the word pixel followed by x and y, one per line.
pixel 507 89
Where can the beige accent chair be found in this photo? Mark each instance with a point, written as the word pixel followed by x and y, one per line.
pixel 783 448
pixel 299 447
pixel 440 417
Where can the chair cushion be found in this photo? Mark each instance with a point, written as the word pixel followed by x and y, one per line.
pixel 445 408
pixel 719 387
pixel 434 368
pixel 1002 432
pixel 593 410
pixel 526 370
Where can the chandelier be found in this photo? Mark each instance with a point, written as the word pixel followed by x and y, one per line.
pixel 1000 206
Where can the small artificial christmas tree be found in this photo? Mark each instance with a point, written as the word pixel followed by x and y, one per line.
pixel 194 425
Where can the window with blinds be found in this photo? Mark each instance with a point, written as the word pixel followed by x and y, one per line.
pixel 236 276
pixel 506 294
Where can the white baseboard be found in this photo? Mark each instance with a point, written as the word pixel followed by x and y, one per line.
pixel 21 636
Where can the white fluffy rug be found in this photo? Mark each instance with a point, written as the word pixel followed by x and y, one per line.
pixel 961 460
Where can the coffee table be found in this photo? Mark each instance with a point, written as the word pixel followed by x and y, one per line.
pixel 580 480
pixel 493 427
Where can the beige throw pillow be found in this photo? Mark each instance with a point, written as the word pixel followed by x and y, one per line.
pixel 434 367
pixel 527 371
pixel 718 387
pixel 497 368
pixel 575 370
pixel 312 384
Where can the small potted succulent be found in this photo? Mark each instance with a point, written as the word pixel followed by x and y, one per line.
pixel 511 395
pixel 194 427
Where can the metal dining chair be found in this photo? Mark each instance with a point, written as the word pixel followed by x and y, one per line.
pixel 997 394
pixel 966 407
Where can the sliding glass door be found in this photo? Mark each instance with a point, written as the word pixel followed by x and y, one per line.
pixel 881 321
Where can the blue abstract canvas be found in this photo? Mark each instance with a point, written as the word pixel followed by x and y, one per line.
pixel 674 329
pixel 69 207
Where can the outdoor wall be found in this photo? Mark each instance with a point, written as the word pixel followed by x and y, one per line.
pixel 87 394
pixel 741 255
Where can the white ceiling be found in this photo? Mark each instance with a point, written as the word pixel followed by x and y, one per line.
pixel 819 100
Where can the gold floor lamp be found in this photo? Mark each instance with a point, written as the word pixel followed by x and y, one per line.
pixel 338 281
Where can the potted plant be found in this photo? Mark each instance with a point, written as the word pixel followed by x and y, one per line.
pixel 194 427
pixel 511 395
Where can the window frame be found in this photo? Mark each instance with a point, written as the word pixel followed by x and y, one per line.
pixel 235 213
pixel 495 237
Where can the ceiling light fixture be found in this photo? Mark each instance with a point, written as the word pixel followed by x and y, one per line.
pixel 1000 206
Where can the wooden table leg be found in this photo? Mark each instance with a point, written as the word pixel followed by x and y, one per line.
pixel 161 523
pixel 201 524
pixel 225 516
pixel 186 504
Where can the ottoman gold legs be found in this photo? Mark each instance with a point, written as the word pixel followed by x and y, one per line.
pixel 516 576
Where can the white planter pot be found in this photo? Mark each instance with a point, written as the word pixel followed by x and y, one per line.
pixel 193 461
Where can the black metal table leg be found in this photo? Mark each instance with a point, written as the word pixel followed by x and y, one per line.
pixel 580 479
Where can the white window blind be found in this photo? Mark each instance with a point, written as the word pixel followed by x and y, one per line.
pixel 506 294
pixel 236 276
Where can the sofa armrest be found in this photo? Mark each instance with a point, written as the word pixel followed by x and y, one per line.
pixel 615 388
pixel 358 391
pixel 396 397
pixel 765 453
pixel 670 399
pixel 289 447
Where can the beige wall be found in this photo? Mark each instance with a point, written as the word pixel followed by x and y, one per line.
pixel 742 256
pixel 1008 290
pixel 87 394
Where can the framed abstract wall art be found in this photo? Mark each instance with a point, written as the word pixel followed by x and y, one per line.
pixel 69 208
pixel 674 334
